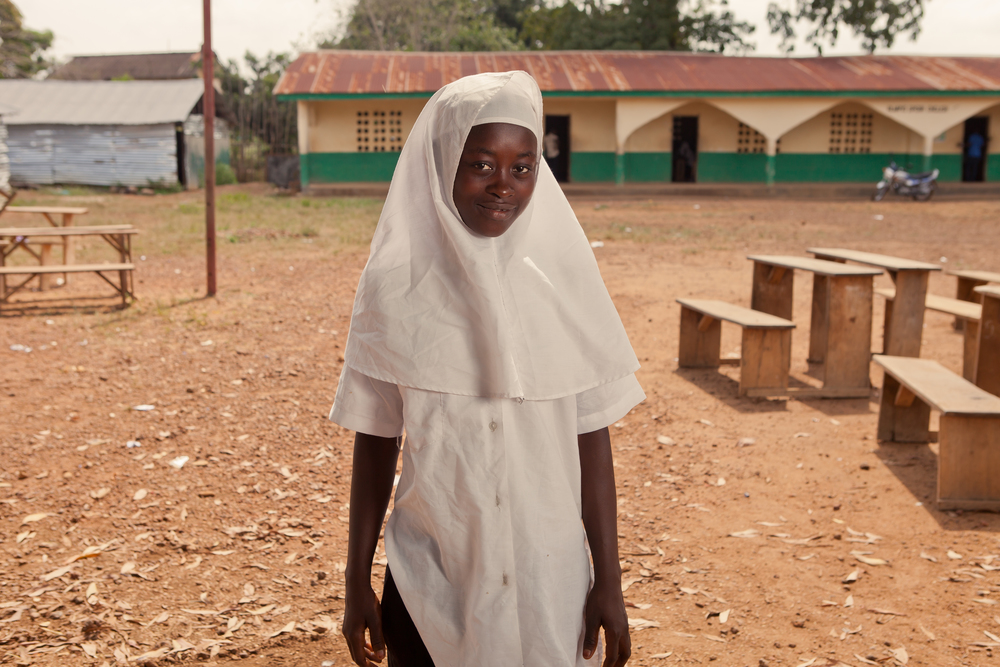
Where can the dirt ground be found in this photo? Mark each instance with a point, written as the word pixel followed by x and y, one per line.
pixel 112 553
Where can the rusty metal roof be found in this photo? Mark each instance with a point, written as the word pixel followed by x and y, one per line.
pixel 343 73
pixel 138 66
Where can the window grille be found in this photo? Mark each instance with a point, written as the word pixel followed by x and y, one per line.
pixel 380 131
pixel 749 140
pixel 851 132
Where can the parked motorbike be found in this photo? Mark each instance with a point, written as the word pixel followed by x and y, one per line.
pixel 900 181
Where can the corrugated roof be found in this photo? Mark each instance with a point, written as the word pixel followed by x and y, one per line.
pixel 139 66
pixel 380 72
pixel 99 102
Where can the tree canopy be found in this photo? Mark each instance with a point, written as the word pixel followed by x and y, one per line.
pixel 876 22
pixel 22 50
pixel 492 25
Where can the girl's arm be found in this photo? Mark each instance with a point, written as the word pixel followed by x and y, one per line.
pixel 371 486
pixel 605 604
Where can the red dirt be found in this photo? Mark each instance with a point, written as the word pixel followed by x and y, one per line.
pixel 249 537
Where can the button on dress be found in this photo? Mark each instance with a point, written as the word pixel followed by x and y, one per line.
pixel 486 540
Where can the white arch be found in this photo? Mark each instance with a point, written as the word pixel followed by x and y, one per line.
pixel 929 117
pixel 631 114
pixel 774 117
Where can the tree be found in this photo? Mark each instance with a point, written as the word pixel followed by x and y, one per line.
pixel 423 25
pixel 876 22
pixel 22 50
pixel 666 25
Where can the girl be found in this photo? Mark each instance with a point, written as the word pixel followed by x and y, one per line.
pixel 482 327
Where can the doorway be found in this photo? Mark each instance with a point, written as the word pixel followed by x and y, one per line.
pixel 556 146
pixel 181 156
pixel 685 149
pixel 974 149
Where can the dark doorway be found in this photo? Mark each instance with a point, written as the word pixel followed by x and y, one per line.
pixel 974 145
pixel 685 149
pixel 556 146
pixel 181 157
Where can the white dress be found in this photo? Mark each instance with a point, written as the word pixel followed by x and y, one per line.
pixel 486 541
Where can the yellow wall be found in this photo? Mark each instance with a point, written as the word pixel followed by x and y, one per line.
pixel 333 123
pixel 994 129
pixel 591 122
pixel 656 136
pixel 888 136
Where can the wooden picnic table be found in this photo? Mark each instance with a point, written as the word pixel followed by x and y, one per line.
pixel 988 361
pixel 57 216
pixel 905 316
pixel 841 321
pixel 118 237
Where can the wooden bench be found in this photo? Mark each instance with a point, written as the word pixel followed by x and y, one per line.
pixel 766 349
pixel 840 329
pixel 968 312
pixel 910 277
pixel 969 435
pixel 968 281
pixel 988 350
pixel 57 216
pixel 123 287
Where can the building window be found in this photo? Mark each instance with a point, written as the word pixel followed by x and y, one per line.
pixel 851 132
pixel 380 131
pixel 749 140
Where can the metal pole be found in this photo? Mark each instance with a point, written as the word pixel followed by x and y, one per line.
pixel 208 106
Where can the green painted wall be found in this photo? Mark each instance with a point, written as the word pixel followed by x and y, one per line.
pixel 592 167
pixel 993 167
pixel 599 167
pixel 732 168
pixel 347 167
pixel 648 167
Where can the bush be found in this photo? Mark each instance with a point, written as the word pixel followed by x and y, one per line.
pixel 224 174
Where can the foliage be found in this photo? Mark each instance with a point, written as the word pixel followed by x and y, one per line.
pixel 666 25
pixel 22 50
pixel 260 124
pixel 224 174
pixel 426 25
pixel 486 25
pixel 876 22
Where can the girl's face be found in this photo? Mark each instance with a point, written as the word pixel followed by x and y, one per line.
pixel 496 177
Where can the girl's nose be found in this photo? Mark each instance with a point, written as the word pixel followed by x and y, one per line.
pixel 501 185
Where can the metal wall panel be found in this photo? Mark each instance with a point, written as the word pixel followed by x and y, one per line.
pixel 4 161
pixel 137 155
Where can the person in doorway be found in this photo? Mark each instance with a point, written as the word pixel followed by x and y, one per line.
pixel 483 329
pixel 974 150
pixel 551 145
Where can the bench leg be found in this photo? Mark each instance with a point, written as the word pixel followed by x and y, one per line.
pixel 69 243
pixel 903 337
pixel 45 279
pixel 970 348
pixel 988 349
pixel 765 359
pixel 849 332
pixel 701 340
pixel 772 290
pixel 820 321
pixel 965 293
pixel 968 462
pixel 902 417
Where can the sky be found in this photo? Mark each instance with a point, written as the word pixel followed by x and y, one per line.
pixel 950 27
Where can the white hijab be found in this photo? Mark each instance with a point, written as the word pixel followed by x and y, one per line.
pixel 439 308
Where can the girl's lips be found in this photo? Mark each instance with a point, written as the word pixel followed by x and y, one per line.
pixel 497 211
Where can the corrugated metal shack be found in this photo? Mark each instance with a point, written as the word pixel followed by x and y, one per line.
pixel 133 133
pixel 4 161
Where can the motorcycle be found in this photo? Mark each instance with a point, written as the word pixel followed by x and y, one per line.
pixel 918 186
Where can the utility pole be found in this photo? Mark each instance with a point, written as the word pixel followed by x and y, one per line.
pixel 208 113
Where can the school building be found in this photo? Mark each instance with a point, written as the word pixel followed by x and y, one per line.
pixel 641 116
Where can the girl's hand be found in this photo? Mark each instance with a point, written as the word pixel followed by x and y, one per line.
pixel 606 607
pixel 363 611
